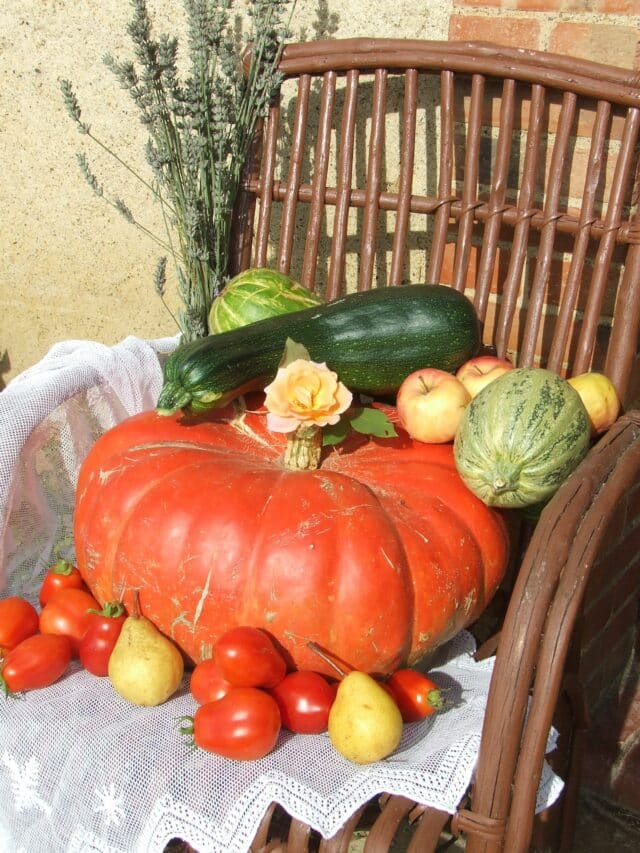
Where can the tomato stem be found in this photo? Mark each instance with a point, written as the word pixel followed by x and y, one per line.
pixel 186 729
pixel 62 567
pixel 111 609
pixel 435 699
pixel 5 687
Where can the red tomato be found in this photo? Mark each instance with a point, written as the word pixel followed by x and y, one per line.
pixel 36 662
pixel 243 725
pixel 18 620
pixel 246 657
pixel 100 637
pixel 416 695
pixel 68 613
pixel 305 699
pixel 61 575
pixel 206 682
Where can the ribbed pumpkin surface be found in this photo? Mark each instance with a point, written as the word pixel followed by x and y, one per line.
pixel 256 294
pixel 379 555
pixel 521 437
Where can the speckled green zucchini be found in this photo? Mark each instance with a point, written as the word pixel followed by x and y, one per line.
pixel 521 437
pixel 372 340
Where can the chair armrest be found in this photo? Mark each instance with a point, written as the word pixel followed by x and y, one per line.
pixel 537 630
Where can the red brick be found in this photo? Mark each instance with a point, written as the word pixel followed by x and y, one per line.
pixel 633 499
pixel 515 32
pixel 608 568
pixel 614 7
pixel 624 783
pixel 605 657
pixel 596 616
pixel 585 112
pixel 628 587
pixel 611 758
pixel 626 550
pixel 549 5
pixel 616 45
pixel 603 667
pixel 611 7
pixel 629 705
pixel 485 3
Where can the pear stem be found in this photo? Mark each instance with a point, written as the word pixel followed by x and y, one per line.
pixel 135 612
pixel 327 658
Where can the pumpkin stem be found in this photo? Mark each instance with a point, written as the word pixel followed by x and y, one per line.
pixel 304 447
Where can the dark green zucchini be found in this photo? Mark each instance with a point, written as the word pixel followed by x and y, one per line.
pixel 372 340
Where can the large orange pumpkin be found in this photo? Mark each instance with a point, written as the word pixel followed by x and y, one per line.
pixel 379 555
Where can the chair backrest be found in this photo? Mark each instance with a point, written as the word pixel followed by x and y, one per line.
pixel 511 175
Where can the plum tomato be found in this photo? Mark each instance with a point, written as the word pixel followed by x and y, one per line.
pixel 68 613
pixel 305 699
pixel 247 657
pixel 415 694
pixel 36 662
pixel 243 725
pixel 98 640
pixel 207 683
pixel 61 575
pixel 18 620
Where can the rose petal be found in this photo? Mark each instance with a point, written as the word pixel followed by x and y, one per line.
pixel 305 392
pixel 276 423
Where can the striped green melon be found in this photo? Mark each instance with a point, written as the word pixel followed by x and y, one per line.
pixel 521 437
pixel 256 294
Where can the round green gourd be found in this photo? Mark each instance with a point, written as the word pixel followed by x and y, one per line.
pixel 256 294
pixel 521 437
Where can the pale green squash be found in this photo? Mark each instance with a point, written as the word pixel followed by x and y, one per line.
pixel 521 437
pixel 257 294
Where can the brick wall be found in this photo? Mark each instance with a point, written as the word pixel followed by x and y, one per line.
pixel 601 30
pixel 610 625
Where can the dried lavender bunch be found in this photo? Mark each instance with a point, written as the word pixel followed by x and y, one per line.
pixel 200 132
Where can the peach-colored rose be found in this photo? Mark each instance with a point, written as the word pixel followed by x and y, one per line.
pixel 305 392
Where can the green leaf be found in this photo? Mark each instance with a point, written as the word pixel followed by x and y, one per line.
pixel 292 352
pixel 370 421
pixel 333 434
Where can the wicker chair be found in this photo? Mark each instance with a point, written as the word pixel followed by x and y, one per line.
pixel 517 182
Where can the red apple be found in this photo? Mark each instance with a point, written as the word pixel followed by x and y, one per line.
pixel 430 404
pixel 480 371
pixel 600 399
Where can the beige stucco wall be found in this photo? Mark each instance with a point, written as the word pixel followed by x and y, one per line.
pixel 71 266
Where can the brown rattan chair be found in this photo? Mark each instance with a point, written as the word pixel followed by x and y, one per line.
pixel 511 175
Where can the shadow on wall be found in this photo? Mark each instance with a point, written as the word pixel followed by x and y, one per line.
pixel 5 367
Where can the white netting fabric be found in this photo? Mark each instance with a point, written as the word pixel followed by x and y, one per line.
pixel 80 768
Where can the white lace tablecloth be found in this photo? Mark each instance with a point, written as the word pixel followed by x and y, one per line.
pixel 83 770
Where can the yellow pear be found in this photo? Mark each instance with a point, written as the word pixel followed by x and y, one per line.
pixel 145 667
pixel 365 724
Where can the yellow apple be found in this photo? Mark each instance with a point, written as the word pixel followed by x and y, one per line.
pixel 430 404
pixel 480 371
pixel 600 399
